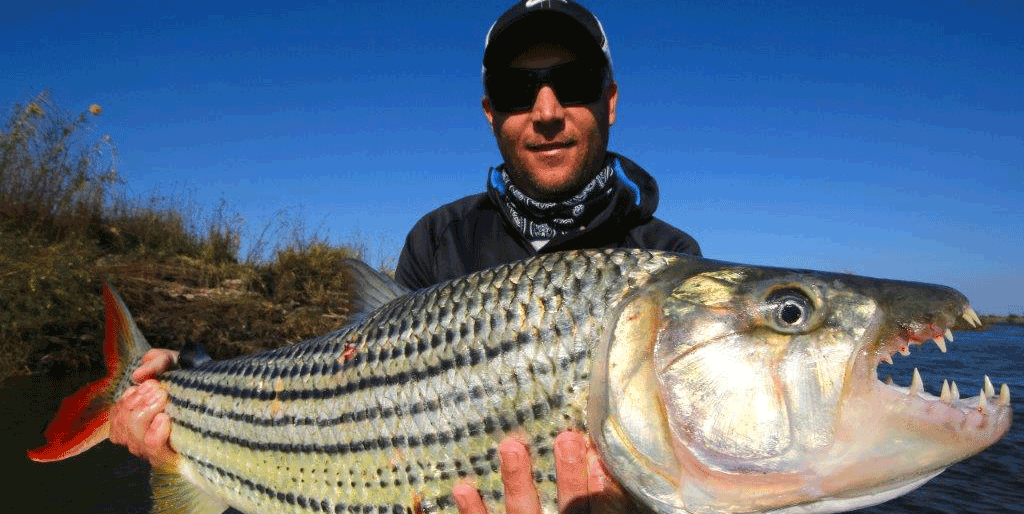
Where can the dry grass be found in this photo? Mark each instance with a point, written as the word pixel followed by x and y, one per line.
pixel 63 233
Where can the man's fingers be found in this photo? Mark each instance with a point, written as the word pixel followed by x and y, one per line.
pixel 157 441
pixel 599 481
pixel 154 362
pixel 467 499
pixel 118 414
pixel 517 474
pixel 607 495
pixel 129 399
pixel 133 418
pixel 571 471
pixel 583 485
pixel 159 430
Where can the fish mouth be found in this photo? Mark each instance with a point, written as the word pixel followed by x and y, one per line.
pixel 969 411
pixel 907 435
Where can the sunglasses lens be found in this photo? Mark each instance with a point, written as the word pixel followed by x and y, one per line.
pixel 511 89
pixel 575 83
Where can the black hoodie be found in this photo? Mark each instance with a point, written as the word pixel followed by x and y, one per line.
pixel 472 233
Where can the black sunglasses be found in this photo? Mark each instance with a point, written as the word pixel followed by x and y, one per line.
pixel 574 83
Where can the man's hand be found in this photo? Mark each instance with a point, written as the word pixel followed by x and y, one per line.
pixel 137 420
pixel 582 483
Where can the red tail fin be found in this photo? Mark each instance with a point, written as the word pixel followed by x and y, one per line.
pixel 81 422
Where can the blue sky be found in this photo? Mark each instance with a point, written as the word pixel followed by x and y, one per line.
pixel 880 138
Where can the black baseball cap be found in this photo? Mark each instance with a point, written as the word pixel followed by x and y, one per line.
pixel 558 21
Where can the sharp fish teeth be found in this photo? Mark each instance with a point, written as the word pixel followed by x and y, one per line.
pixel 954 392
pixel 945 395
pixel 888 380
pixel 1004 395
pixel 989 390
pixel 886 358
pixel 916 384
pixel 949 335
pixel 982 402
pixel 971 316
pixel 941 343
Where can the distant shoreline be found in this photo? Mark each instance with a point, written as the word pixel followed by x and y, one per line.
pixel 1010 319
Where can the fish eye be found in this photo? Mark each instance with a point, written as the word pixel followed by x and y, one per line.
pixel 789 310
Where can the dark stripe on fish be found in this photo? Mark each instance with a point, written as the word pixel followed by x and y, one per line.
pixel 331 355
pixel 488 425
pixel 536 411
pixel 195 382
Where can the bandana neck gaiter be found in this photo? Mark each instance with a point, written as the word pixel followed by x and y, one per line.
pixel 542 221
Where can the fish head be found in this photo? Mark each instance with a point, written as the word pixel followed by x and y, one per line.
pixel 733 388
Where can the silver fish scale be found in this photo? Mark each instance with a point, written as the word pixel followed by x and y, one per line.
pixel 386 415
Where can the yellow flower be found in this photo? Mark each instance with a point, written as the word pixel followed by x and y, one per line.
pixel 95 109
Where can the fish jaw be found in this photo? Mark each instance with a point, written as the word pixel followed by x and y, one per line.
pixel 888 436
pixel 762 418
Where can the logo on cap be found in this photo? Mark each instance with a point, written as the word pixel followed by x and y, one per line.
pixel 531 3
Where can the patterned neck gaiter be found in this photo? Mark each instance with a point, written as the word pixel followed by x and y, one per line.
pixel 544 220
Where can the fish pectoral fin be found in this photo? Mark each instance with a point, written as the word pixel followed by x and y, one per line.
pixel 172 494
pixel 192 356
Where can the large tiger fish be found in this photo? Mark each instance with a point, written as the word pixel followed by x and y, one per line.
pixel 706 387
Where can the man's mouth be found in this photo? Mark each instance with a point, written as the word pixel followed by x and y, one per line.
pixel 553 145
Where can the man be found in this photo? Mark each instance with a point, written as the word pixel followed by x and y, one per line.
pixel 550 99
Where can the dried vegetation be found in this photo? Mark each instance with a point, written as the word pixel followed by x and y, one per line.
pixel 64 232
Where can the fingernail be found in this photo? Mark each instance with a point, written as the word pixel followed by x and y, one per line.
pixel 159 421
pixel 512 458
pixel 460 495
pixel 570 449
pixel 596 471
pixel 136 399
pixel 152 396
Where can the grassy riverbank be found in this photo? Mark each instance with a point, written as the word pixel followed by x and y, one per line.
pixel 64 232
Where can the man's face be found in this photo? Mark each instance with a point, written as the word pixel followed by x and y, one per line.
pixel 552 151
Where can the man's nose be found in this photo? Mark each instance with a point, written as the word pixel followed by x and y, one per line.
pixel 546 107
pixel 548 115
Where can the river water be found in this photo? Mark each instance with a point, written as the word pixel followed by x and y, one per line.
pixel 107 479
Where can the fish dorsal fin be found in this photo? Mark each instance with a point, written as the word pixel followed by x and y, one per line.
pixel 192 355
pixel 370 288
